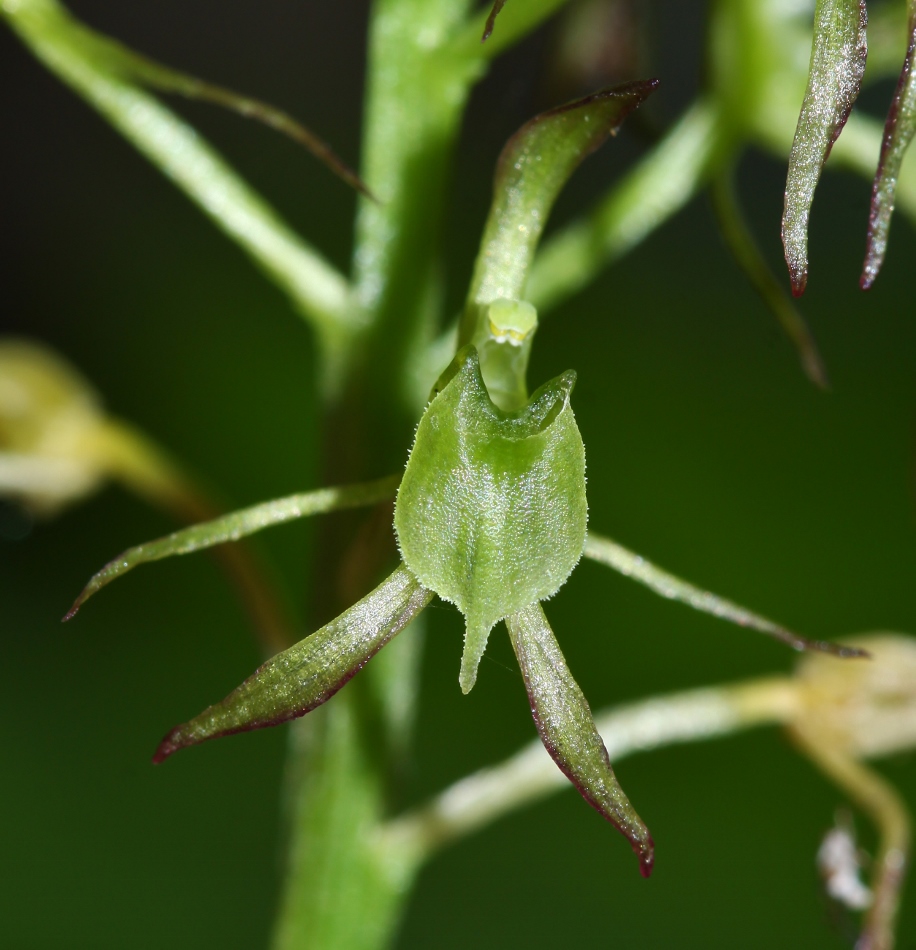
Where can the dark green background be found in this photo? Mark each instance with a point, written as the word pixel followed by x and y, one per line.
pixel 708 451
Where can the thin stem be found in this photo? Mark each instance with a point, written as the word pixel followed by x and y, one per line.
pixel 417 88
pixel 319 292
pixel 887 810
pixel 531 774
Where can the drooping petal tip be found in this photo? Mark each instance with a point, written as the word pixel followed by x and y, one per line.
pixel 566 727
pixel 308 674
pixel 645 852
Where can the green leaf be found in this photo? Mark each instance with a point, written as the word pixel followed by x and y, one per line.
pixel 534 165
pixel 491 513
pixel 635 566
pixel 898 133
pixel 565 725
pixel 236 525
pixel 308 674
pixel 838 55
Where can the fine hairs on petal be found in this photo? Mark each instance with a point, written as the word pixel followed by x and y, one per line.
pixel 308 674
pixel 565 725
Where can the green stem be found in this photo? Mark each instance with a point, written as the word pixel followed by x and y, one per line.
pixel 417 88
pixel 342 891
pixel 320 293
pixel 339 893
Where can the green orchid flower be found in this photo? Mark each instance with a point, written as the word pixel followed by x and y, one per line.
pixel 491 512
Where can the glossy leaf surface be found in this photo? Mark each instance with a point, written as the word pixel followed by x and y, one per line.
pixel 635 566
pixel 565 725
pixel 306 675
pixel 898 133
pixel 491 513
pixel 837 65
pixel 236 525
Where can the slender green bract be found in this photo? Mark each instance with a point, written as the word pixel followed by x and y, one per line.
pixel 237 525
pixel 898 133
pixel 491 513
pixel 838 55
pixel 534 165
pixel 635 566
pixel 306 675
pixel 564 722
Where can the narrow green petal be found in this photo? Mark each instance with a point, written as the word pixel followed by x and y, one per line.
pixel 236 525
pixel 898 133
pixel 635 566
pixel 532 169
pixel 306 675
pixel 565 725
pixel 491 513
pixel 838 55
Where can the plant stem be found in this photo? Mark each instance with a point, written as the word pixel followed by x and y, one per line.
pixel 341 893
pixel 417 88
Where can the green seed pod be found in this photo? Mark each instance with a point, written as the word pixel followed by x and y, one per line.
pixel 491 513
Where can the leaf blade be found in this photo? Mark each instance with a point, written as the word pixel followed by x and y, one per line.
pixel 838 54
pixel 300 679
pixel 236 525
pixel 564 722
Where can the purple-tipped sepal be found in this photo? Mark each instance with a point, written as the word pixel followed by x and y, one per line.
pixel 565 725
pixel 308 674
